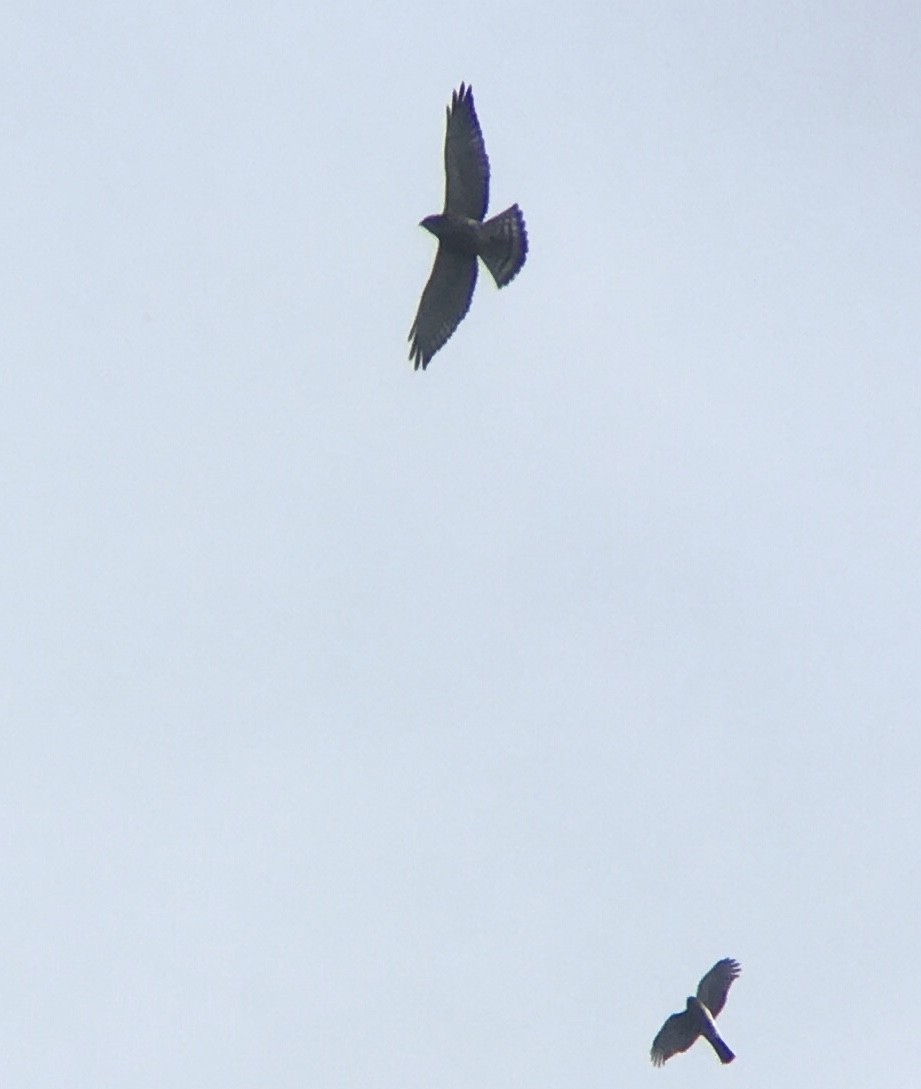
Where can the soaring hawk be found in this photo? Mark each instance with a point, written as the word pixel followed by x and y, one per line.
pixel 682 1029
pixel 502 242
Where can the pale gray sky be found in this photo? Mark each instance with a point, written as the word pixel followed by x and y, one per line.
pixel 366 729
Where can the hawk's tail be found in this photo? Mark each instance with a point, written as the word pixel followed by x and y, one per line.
pixel 504 244
pixel 720 1047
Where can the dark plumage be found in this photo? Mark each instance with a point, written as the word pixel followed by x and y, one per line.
pixel 463 237
pixel 697 1019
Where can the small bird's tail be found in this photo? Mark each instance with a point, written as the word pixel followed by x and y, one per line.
pixel 709 1031
pixel 720 1046
pixel 504 245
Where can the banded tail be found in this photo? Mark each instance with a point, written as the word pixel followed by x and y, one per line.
pixel 503 245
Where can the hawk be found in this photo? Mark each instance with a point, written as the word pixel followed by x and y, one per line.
pixel 502 242
pixel 682 1029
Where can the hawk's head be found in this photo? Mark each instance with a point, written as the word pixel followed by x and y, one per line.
pixel 432 223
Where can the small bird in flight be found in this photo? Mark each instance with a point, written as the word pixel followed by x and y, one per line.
pixel 682 1029
pixel 502 242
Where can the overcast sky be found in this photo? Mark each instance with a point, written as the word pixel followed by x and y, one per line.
pixel 372 729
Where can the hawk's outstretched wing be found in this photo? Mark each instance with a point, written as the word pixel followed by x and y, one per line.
pixel 714 987
pixel 677 1034
pixel 444 302
pixel 466 164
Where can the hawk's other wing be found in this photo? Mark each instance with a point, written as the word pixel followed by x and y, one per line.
pixel 444 302
pixel 714 987
pixel 677 1034
pixel 466 164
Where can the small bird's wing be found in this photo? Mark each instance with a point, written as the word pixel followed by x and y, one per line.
pixel 445 300
pixel 466 164
pixel 714 987
pixel 677 1034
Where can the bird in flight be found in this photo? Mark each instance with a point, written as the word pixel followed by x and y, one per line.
pixel 697 1019
pixel 463 236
